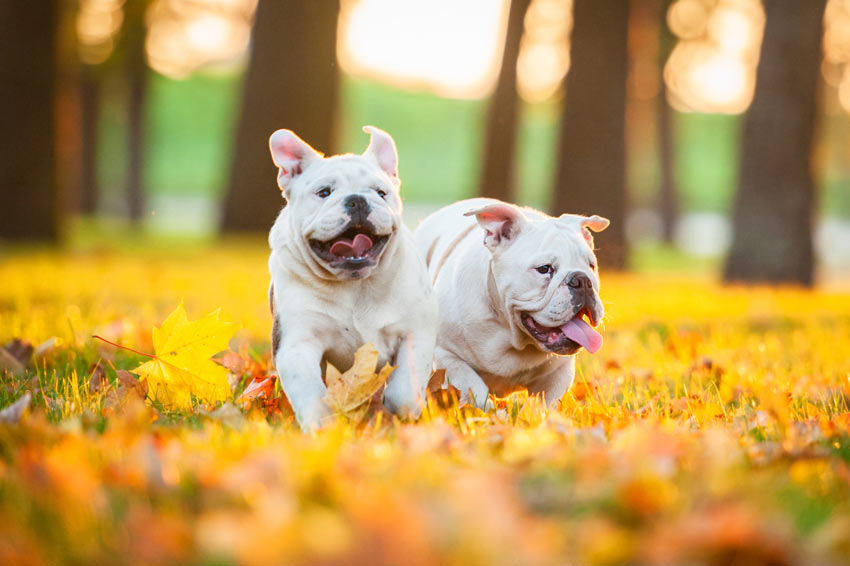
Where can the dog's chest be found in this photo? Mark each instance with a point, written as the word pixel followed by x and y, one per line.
pixel 362 326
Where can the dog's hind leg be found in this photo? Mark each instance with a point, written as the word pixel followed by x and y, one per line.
pixel 459 374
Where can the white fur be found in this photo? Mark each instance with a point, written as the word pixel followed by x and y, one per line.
pixel 481 342
pixel 326 313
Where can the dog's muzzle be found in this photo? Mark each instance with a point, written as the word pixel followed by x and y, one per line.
pixel 578 331
pixel 357 247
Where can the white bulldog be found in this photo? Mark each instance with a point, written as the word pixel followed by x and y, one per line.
pixel 344 272
pixel 515 309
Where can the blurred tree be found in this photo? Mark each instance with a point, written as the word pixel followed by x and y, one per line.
pixel 500 130
pixel 774 205
pixel 89 82
pixel 29 195
pixel 668 198
pixel 590 177
pixel 292 82
pixel 132 48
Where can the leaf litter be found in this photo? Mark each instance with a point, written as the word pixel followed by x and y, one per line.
pixel 701 434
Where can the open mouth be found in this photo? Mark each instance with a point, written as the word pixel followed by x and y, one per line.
pixel 568 338
pixel 355 248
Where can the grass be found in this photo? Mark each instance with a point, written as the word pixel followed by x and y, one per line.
pixel 712 428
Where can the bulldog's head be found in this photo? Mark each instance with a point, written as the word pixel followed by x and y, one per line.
pixel 544 275
pixel 345 209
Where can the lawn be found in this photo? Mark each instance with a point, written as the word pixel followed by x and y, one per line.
pixel 712 428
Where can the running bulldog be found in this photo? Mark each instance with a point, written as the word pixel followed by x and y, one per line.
pixel 517 307
pixel 344 272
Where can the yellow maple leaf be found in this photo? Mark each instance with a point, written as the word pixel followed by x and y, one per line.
pixel 182 367
pixel 348 392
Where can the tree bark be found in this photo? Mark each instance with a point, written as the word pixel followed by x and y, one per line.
pixel 668 194
pixel 136 70
pixel 591 167
pixel 775 202
pixel 500 131
pixel 29 194
pixel 89 82
pixel 292 82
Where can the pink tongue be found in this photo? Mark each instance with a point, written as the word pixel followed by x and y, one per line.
pixel 355 248
pixel 581 332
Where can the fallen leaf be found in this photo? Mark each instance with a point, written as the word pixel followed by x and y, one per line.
pixel 98 377
pixel 45 348
pixel 127 381
pixel 240 364
pixel 129 387
pixel 258 388
pixel 444 394
pixel 350 390
pixel 438 378
pixel 9 363
pixel 13 412
pixel 228 414
pixel 181 367
pixel 20 350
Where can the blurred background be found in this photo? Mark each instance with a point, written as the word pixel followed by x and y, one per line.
pixel 709 131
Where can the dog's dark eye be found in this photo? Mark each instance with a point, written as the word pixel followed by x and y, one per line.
pixel 324 192
pixel 544 269
pixel 381 193
pixel 592 265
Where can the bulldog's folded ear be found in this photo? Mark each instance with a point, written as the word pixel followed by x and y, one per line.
pixel 382 149
pixel 502 223
pixel 586 224
pixel 595 223
pixel 292 155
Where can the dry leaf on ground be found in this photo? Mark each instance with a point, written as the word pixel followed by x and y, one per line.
pixel 350 391
pixel 13 412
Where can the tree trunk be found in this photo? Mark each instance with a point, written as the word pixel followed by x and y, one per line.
pixel 774 205
pixel 500 132
pixel 29 195
pixel 136 69
pixel 292 82
pixel 89 135
pixel 591 154
pixel 668 197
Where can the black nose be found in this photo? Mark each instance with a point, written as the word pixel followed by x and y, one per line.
pixel 357 207
pixel 579 281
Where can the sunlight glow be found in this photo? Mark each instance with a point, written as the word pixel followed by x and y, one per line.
pixel 185 35
pixel 836 47
pixel 544 56
pixel 448 47
pixel 97 24
pixel 712 68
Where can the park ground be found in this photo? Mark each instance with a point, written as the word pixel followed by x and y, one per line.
pixel 712 428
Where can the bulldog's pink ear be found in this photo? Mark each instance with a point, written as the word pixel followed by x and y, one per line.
pixel 382 149
pixel 502 223
pixel 291 154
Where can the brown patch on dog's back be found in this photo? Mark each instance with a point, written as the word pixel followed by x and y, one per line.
pixel 276 336
pixel 431 250
pixel 449 251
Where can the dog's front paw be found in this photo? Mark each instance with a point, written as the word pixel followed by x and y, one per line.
pixel 314 417
pixel 402 401
pixel 477 397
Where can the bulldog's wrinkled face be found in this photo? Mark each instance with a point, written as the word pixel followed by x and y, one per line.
pixel 545 275
pixel 345 208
